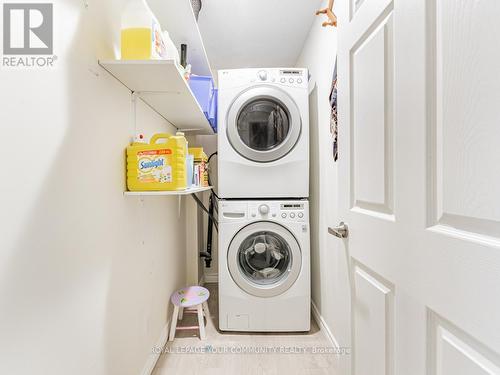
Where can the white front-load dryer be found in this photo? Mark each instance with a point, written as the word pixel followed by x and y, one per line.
pixel 264 266
pixel 263 133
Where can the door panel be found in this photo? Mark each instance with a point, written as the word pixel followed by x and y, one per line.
pixel 452 352
pixel 419 115
pixel 465 116
pixel 372 323
pixel 372 143
pixel 355 5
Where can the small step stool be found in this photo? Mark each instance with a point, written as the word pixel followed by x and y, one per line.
pixel 194 300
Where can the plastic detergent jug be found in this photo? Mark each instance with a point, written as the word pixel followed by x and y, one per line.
pixel 182 140
pixel 157 166
pixel 141 35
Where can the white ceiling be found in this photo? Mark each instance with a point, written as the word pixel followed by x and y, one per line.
pixel 255 33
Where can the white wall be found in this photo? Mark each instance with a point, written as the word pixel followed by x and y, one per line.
pixel 256 33
pixel 85 273
pixel 329 271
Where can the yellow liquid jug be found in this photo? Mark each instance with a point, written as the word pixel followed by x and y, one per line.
pixel 141 33
pixel 136 43
pixel 157 166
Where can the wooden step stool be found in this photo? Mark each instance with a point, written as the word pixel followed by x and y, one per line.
pixel 194 300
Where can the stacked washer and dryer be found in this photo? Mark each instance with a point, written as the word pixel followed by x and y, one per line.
pixel 263 187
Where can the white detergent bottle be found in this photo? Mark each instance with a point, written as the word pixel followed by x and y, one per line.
pixel 141 35
pixel 171 50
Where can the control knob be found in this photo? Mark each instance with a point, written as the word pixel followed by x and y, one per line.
pixel 264 209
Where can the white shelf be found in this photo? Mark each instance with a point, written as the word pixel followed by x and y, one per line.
pixel 178 192
pixel 177 17
pixel 160 84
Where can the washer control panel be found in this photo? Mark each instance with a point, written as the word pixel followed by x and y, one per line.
pixel 289 211
pixel 293 211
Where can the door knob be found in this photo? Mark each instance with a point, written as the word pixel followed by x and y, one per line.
pixel 342 231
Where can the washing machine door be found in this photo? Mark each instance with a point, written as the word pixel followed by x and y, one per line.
pixel 263 124
pixel 264 259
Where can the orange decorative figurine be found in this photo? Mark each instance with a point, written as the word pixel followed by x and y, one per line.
pixel 332 18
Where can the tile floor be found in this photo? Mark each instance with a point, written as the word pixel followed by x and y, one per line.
pixel 184 356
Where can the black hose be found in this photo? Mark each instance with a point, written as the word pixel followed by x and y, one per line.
pixel 207 255
pixel 209 181
pixel 201 205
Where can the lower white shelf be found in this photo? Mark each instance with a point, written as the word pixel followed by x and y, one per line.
pixel 177 192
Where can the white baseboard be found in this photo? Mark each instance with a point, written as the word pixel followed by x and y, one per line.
pixel 155 353
pixel 211 278
pixel 323 326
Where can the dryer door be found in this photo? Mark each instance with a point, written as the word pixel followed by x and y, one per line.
pixel 263 124
pixel 264 259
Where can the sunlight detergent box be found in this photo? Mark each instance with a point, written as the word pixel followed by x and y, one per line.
pixel 157 165
pixel 200 165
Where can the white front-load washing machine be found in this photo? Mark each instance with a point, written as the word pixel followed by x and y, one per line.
pixel 264 265
pixel 263 133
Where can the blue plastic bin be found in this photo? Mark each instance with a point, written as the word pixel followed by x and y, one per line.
pixel 212 114
pixel 206 94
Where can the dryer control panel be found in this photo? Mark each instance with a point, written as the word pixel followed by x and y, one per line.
pixel 289 77
pixel 284 77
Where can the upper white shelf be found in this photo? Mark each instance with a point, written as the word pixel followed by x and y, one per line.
pixel 177 17
pixel 161 85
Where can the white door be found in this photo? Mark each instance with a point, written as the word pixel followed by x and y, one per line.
pixel 419 172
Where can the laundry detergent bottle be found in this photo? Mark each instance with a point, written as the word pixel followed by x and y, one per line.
pixel 141 34
pixel 159 165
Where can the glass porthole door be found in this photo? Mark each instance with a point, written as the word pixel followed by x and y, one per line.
pixel 264 259
pixel 263 124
